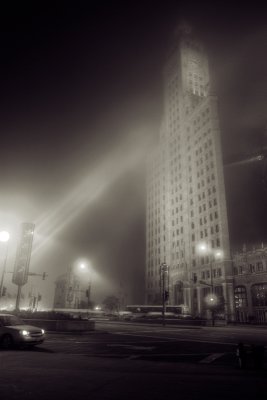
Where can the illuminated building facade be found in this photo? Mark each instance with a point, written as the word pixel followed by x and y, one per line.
pixel 185 189
pixel 250 285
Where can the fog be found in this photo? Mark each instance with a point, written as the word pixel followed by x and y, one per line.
pixel 82 101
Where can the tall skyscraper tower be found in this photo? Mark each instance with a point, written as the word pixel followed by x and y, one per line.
pixel 186 208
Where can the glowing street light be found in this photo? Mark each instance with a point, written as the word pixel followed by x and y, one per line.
pixel 4 236
pixel 212 299
pixel 218 254
pixel 202 248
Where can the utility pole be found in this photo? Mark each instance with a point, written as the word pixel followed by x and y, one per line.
pixel 88 293
pixel 3 272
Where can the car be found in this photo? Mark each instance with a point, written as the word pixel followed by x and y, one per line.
pixel 125 315
pixel 184 316
pixel 14 332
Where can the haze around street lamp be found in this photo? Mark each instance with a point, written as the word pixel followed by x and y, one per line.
pixel 4 236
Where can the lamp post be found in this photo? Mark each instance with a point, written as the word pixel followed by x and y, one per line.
pixel 86 267
pixel 83 266
pixel 215 255
pixel 4 238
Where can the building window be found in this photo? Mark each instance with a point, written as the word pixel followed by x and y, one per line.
pixel 205 291
pixel 240 294
pixel 251 268
pixel 259 294
pixel 259 266
pixel 219 291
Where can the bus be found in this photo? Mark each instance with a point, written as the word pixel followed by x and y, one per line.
pixel 146 311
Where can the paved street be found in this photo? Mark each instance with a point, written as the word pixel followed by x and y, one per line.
pixel 121 360
pixel 142 341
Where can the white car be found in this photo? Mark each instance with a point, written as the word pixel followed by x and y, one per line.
pixel 13 331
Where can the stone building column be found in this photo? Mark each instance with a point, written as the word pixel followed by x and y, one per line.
pixel 228 294
pixel 249 299
pixel 199 300
pixel 188 298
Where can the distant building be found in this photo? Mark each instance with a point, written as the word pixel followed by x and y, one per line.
pixel 69 292
pixel 250 285
pixel 185 189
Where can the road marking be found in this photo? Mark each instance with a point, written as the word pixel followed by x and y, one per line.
pixel 178 339
pixel 211 358
pixel 129 346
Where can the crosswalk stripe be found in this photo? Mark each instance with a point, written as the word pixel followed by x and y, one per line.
pixel 212 357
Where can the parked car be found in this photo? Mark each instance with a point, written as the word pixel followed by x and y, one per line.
pixel 14 331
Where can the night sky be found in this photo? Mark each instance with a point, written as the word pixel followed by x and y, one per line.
pixel 81 103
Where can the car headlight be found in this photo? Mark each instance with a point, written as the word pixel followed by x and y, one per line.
pixel 24 333
pixel 43 331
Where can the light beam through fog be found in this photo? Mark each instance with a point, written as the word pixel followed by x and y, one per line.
pixel 124 158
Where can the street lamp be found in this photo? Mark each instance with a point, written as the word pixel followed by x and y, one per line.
pixel 84 267
pixel 4 238
pixel 211 299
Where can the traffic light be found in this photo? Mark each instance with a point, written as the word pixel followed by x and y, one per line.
pixel 39 297
pixel 44 275
pixel 4 291
pixel 195 278
pixel 87 293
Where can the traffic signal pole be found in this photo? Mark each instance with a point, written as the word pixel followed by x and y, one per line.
pixel 212 292
pixel 163 298
pixel 3 272
pixel 165 289
pixel 18 298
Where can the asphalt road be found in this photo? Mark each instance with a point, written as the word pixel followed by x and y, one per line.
pixel 120 360
pixel 169 343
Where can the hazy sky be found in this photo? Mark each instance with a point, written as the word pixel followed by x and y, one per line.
pixel 81 102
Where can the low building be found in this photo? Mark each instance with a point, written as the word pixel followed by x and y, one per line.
pixel 250 285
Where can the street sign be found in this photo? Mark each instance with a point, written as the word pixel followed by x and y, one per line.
pixel 21 267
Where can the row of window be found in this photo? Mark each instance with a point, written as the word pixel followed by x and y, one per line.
pixel 204 234
pixel 258 295
pixel 249 269
pixel 216 273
